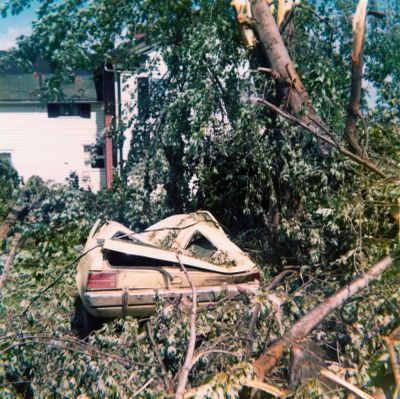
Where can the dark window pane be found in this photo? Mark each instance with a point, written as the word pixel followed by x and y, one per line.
pixel 99 162
pixel 143 98
pixel 53 110
pixel 68 109
pixel 84 110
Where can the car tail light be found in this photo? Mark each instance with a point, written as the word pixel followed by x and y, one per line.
pixel 101 280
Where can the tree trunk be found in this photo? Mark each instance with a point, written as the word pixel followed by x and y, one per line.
pixel 289 84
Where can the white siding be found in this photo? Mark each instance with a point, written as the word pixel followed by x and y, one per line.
pixel 51 148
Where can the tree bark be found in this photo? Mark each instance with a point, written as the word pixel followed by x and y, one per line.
pixel 271 356
pixel 353 113
pixel 17 211
pixel 184 373
pixel 289 85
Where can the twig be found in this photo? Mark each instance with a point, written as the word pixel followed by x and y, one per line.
pixel 277 279
pixel 252 325
pixel 10 259
pixel 164 372
pixel 148 382
pixel 184 373
pixel 338 380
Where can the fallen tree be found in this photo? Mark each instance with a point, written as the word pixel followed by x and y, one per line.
pixel 303 327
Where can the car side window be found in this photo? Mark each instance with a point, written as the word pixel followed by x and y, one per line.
pixel 200 247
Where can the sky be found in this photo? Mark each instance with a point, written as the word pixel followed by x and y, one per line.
pixel 15 25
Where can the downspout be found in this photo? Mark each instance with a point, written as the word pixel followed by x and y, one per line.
pixel 109 116
pixel 117 88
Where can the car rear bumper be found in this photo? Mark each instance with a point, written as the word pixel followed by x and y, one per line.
pixel 138 303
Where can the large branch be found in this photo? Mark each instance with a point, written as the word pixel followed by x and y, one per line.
pixel 289 84
pixel 362 161
pixel 184 373
pixel 268 360
pixel 359 21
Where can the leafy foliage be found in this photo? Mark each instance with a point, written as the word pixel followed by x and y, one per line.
pixel 286 199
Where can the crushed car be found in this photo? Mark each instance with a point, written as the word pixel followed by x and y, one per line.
pixel 122 272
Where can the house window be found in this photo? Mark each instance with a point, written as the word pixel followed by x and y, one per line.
pixel 54 110
pixel 143 97
pixel 94 156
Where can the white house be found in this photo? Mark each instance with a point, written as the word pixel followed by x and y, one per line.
pixel 55 139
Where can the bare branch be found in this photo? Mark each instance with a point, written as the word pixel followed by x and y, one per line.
pixel 268 360
pixel 147 383
pixel 184 373
pixel 340 381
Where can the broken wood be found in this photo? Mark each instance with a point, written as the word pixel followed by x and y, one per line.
pixel 16 213
pixel 184 372
pixel 289 87
pixel 284 9
pixel 353 112
pixel 341 381
pixel 301 328
pixel 10 259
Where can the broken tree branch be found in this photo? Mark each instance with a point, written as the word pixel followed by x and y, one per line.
pixel 289 87
pixel 252 326
pixel 365 162
pixel 284 9
pixel 10 259
pixel 340 381
pixel 268 360
pixel 184 373
pixel 359 21
pixel 17 211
